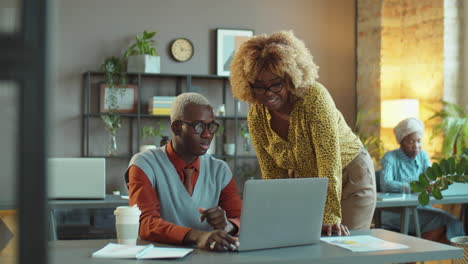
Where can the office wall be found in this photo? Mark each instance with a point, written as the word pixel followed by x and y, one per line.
pixel 87 31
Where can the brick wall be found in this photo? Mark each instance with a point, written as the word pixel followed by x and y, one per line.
pixel 401 55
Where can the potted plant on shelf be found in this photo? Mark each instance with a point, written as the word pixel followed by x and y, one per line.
pixel 453 126
pixel 244 133
pixel 149 135
pixel 212 149
pixel 142 55
pixel 114 70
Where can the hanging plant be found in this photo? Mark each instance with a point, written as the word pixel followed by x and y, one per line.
pixel 114 70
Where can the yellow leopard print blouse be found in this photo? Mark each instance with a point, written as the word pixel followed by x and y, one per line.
pixel 320 144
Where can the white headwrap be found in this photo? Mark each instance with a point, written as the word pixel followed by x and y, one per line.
pixel 408 126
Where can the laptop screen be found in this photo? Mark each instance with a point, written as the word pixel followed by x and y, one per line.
pixel 282 212
pixel 76 178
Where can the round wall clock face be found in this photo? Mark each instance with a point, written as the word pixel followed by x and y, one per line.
pixel 182 49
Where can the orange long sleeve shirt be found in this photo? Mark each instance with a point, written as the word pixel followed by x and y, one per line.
pixel 152 226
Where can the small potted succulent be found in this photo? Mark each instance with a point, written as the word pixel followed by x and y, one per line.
pixel 142 55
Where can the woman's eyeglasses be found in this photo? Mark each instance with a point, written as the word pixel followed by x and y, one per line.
pixel 274 88
pixel 200 126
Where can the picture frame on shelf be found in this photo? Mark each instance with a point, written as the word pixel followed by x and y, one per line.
pixel 118 99
pixel 227 41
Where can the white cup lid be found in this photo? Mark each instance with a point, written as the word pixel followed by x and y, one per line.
pixel 127 210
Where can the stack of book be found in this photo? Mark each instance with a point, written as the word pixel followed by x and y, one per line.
pixel 160 105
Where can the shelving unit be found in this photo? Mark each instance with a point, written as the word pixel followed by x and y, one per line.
pixel 156 85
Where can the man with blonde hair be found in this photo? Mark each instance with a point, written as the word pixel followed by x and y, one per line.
pixel 185 195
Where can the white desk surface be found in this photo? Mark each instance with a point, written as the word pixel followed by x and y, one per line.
pixel 79 252
pixel 412 200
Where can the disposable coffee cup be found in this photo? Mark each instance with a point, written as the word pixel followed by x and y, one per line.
pixel 127 224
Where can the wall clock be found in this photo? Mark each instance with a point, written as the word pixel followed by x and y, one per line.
pixel 182 49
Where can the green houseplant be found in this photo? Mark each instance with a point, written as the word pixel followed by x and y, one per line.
pixel 212 149
pixel 245 134
pixel 372 143
pixel 453 126
pixel 149 135
pixel 142 55
pixel 114 69
pixel 440 176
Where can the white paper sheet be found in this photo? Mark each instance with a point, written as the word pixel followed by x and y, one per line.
pixel 113 250
pixel 362 243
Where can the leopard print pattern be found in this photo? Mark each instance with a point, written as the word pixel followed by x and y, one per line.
pixel 319 144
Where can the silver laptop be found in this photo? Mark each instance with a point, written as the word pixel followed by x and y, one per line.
pixel 456 188
pixel 282 212
pixel 76 178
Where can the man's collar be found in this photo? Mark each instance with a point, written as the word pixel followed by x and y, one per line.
pixel 177 161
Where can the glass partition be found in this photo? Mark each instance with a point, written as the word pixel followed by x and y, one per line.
pixel 8 209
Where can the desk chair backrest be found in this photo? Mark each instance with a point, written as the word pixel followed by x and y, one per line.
pixel 378 175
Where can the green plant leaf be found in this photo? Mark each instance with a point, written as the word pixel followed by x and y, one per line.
pixel 431 174
pixel 441 184
pixel 416 186
pixel 460 167
pixel 437 169
pixel 450 179
pixel 444 166
pixel 437 193
pixel 150 35
pixel 452 166
pixel 459 178
pixel 423 198
pixel 423 180
pixel 130 50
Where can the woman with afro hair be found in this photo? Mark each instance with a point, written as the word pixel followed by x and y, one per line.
pixel 298 132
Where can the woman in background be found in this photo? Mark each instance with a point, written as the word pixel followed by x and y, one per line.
pixel 298 132
pixel 405 164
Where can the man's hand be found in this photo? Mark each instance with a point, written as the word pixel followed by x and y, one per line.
pixel 217 240
pixel 339 229
pixel 216 217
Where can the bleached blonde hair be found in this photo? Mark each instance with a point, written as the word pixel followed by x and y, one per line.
pixel 182 100
pixel 282 54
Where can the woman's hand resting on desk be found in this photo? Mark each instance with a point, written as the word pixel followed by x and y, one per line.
pixel 217 240
pixel 338 229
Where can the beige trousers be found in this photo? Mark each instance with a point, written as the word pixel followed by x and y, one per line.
pixel 359 192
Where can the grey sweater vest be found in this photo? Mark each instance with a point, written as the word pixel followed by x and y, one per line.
pixel 177 206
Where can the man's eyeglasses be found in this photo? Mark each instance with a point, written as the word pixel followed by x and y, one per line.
pixel 200 126
pixel 274 88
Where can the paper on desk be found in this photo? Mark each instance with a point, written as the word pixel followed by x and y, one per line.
pixel 113 250
pixel 362 243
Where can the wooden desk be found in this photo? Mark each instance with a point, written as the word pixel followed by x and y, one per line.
pixel 79 252
pixel 111 201
pixel 408 207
